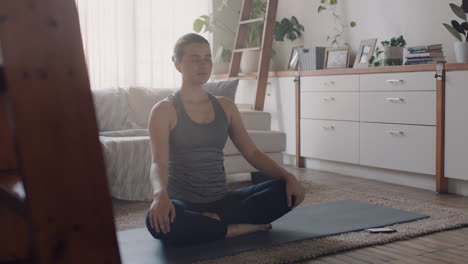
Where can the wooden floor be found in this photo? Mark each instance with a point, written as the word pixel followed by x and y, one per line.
pixel 444 247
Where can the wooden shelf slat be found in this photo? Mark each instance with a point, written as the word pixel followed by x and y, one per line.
pixel 250 21
pixel 247 49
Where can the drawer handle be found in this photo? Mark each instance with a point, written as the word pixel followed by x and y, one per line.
pixel 330 83
pixel 396 133
pixel 395 99
pixel 328 127
pixel 395 81
pixel 328 99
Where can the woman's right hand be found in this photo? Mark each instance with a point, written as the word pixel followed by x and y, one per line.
pixel 162 213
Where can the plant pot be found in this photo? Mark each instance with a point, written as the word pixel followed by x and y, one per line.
pixel 392 56
pixel 461 52
pixel 249 61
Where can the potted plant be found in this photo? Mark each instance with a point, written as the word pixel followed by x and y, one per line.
pixel 340 26
pixel 286 28
pixel 393 51
pixel 460 31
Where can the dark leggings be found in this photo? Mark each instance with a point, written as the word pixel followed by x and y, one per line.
pixel 262 203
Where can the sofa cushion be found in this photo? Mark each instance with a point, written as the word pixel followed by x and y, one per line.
pixel 128 162
pixel 141 101
pixel 256 120
pixel 266 141
pixel 222 88
pixel 111 107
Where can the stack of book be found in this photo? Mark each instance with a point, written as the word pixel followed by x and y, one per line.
pixel 425 54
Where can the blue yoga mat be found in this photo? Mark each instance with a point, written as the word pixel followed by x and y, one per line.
pixel 137 246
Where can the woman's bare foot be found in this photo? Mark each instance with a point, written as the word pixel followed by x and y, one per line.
pixel 211 215
pixel 243 229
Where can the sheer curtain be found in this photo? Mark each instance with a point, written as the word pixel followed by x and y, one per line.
pixel 129 42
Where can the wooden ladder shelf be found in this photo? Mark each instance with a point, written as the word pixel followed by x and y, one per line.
pixel 265 48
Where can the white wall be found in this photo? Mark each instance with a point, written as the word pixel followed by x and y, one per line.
pixel 419 21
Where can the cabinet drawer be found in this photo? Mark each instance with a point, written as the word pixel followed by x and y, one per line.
pixel 398 147
pixel 330 105
pixel 398 107
pixel 330 83
pixel 402 81
pixel 330 140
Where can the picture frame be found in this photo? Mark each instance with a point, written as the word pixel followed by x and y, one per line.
pixel 293 63
pixel 365 52
pixel 336 58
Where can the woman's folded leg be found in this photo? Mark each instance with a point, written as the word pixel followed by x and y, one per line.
pixel 257 204
pixel 189 227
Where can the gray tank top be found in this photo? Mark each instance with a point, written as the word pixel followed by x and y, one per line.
pixel 196 159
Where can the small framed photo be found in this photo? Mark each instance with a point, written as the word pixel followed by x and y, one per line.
pixel 294 58
pixel 336 58
pixel 366 49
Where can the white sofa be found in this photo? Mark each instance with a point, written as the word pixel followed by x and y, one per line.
pixel 122 116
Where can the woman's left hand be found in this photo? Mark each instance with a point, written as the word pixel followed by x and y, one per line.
pixel 294 188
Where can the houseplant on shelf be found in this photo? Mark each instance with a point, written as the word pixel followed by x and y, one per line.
pixel 392 51
pixel 460 31
pixel 286 28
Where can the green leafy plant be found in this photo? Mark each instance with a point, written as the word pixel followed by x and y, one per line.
pixel 340 26
pixel 459 30
pixel 286 28
pixel 289 28
pixel 208 23
pixel 255 30
pixel 375 59
pixel 394 42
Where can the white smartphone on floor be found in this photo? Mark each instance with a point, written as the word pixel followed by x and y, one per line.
pixel 380 230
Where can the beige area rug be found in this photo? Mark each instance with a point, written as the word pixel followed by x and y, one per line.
pixel 129 215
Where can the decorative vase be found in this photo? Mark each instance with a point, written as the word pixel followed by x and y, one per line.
pixel 393 56
pixel 249 61
pixel 461 52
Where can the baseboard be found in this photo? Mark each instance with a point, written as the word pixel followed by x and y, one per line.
pixel 416 180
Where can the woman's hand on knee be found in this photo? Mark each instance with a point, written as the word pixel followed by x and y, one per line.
pixel 294 188
pixel 162 213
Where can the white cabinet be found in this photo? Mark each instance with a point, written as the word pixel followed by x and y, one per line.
pixel 330 140
pixel 399 147
pixel 402 81
pixel 398 107
pixel 335 83
pixel 380 120
pixel 329 118
pixel 330 105
pixel 456 125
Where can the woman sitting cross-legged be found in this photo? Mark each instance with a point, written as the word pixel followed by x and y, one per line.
pixel 188 131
